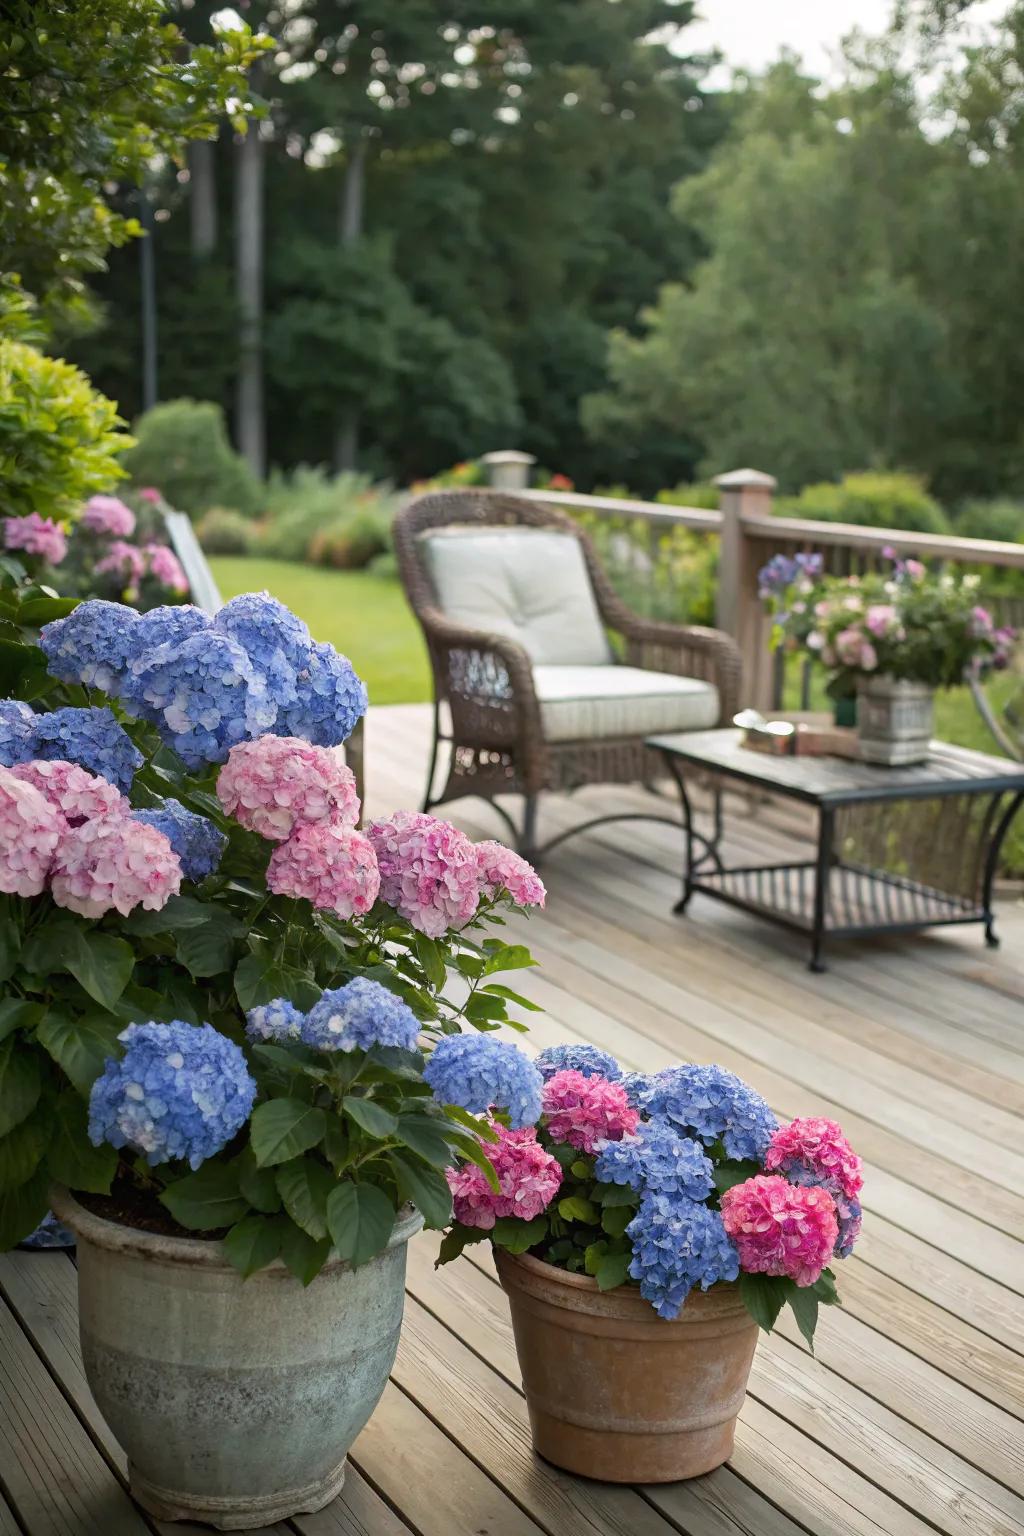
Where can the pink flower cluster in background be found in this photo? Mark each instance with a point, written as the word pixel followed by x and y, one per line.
pixel 108 515
pixel 124 561
pixel 780 1228
pixel 584 1111
pixel 36 536
pixel 528 1180
pixel 854 649
pixel 165 567
pixel 278 783
pixel 71 830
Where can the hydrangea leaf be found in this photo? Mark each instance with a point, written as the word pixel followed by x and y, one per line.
pixel 612 1271
pixel 376 1121
pixel 252 1244
pixel 206 1199
pixel 72 1159
pixel 20 1083
pixel 210 949
pixel 764 1297
pixel 615 1219
pixel 804 1303
pixel 16 1013
pixel 506 957
pixel 453 1242
pixel 304 1256
pixel 304 1186
pixel 577 1208
pixel 23 1208
pixel 81 1047
pixel 258 1185
pixel 360 1218
pixel 423 1187
pixel 23 1149
pixel 470 1148
pixel 727 1175
pixel 99 962
pixel 282 1128
pixel 517 1236
pixel 425 1136
pixel 498 990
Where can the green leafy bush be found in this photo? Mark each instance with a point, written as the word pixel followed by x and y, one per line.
pixel 701 494
pixel 1001 519
pixel 182 446
pixel 340 521
pixel 59 437
pixel 877 500
pixel 223 531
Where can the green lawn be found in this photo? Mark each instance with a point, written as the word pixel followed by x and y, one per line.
pixel 365 617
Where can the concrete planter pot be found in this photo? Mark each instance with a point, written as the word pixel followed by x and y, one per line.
pixel 614 1391
pixel 895 720
pixel 235 1400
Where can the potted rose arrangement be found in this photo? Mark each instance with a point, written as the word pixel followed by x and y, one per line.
pixel 644 1228
pixel 220 1008
pixel 891 638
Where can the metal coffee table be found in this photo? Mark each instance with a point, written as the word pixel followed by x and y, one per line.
pixel 898 849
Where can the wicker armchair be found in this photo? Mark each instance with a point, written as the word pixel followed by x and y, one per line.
pixel 487 680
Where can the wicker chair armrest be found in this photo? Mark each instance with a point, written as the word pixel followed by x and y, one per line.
pixel 687 650
pixel 487 681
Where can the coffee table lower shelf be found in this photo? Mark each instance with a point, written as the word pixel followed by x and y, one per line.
pixel 858 901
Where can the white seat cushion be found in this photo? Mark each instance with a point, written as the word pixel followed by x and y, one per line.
pixel 598 703
pixel 528 584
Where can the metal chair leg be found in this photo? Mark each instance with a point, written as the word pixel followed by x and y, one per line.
pixel 428 800
pixel 528 836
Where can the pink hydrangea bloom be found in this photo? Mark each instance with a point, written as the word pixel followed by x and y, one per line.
pixel 501 869
pixel 122 560
pixel 78 795
pixel 277 783
pixel 36 536
pixel 428 871
pixel 586 1110
pixel 779 1228
pixel 334 867
pixel 114 862
pixel 30 829
pixel 818 1148
pixel 108 515
pixel 528 1178
pixel 166 568
pixel 881 618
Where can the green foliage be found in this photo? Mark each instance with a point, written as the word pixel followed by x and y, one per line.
pixel 92 94
pixel 183 448
pixel 223 531
pixel 875 500
pixel 341 521
pixel 1001 519
pixel 59 437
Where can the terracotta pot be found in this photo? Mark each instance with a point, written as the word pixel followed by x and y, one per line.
pixel 616 1392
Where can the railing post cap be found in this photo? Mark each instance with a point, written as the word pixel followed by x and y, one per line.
pixel 737 479
pixel 507 456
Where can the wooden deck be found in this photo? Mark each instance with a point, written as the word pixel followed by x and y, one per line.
pixel 908 1422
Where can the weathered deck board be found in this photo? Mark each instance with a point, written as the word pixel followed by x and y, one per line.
pixel 909 1420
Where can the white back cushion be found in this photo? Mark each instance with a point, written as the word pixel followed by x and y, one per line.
pixel 529 584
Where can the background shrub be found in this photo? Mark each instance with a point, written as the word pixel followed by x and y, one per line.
pixel 222 531
pixel 183 447
pixel 1001 519
pixel 875 499
pixel 340 521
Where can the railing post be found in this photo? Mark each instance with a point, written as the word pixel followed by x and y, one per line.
pixel 738 609
pixel 508 469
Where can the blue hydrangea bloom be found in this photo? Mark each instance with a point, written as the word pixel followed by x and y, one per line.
pixel 277 643
pixel 170 624
pixel 657 1158
pixel 677 1244
pixel 278 1021
pixel 197 842
pixel 17 732
pixel 92 644
pixel 179 1091
pixel 477 1071
pixel 202 694
pixel 851 1218
pixel 358 1016
pixel 93 739
pixel 714 1105
pixel 330 699
pixel 50 1233
pixel 635 1085
pixel 588 1059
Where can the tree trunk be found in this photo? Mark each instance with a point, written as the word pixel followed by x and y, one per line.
pixel 350 229
pixel 249 422
pixel 202 171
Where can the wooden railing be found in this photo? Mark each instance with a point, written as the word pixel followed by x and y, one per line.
pixel 746 535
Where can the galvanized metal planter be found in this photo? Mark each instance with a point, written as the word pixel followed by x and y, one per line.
pixel 236 1400
pixel 895 720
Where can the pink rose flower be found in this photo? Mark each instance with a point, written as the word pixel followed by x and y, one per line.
pixel 428 871
pixel 30 829
pixel 529 1178
pixel 334 867
pixel 78 795
pixel 166 568
pixel 36 536
pixel 816 1147
pixel 586 1110
pixel 276 784
pixel 502 870
pixel 779 1228
pixel 114 862
pixel 108 515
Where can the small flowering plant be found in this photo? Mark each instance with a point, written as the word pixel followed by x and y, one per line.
pixel 120 553
pixel 221 1003
pixel 906 622
pixel 668 1182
